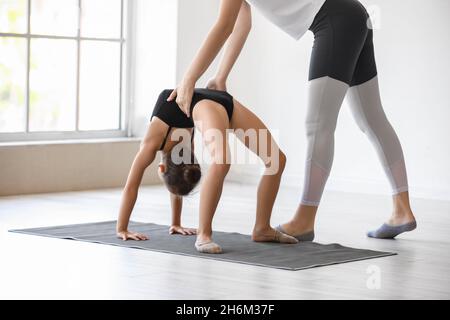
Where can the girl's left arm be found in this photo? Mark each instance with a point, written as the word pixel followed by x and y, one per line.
pixel 217 36
pixel 176 203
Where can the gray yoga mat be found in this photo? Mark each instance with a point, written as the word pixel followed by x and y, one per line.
pixel 237 247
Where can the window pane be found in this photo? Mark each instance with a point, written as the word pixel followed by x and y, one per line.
pixel 52 84
pixel 13 55
pixel 54 17
pixel 99 85
pixel 100 18
pixel 13 16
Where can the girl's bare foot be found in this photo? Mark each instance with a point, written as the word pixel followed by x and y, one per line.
pixel 272 235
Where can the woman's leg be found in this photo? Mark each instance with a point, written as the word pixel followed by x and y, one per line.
pixel 325 99
pixel 365 103
pixel 248 126
pixel 340 33
pixel 212 121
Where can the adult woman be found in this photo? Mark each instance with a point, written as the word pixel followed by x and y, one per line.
pixel 342 62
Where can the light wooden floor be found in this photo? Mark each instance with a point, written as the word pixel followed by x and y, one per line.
pixel 37 267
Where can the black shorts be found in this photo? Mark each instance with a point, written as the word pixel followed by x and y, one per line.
pixel 343 43
pixel 171 114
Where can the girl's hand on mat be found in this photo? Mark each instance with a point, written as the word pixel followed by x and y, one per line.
pixel 183 231
pixel 183 96
pixel 129 235
pixel 216 84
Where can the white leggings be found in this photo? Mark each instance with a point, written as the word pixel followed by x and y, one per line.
pixel 325 99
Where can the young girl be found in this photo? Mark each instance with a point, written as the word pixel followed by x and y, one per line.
pixel 213 112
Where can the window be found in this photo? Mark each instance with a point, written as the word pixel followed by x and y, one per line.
pixel 63 69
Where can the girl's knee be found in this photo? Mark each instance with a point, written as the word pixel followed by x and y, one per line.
pixel 220 169
pixel 283 160
pixel 277 163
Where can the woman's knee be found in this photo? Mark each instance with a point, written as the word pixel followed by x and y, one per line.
pixel 373 126
pixel 321 127
pixel 319 134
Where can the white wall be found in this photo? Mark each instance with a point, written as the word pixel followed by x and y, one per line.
pixel 155 57
pixel 59 166
pixel 412 46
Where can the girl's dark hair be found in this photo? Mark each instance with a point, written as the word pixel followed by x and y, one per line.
pixel 182 178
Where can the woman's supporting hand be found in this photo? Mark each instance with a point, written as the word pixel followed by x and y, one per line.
pixel 183 96
pixel 183 231
pixel 129 235
pixel 216 84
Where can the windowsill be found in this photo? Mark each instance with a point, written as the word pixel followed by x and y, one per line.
pixel 69 141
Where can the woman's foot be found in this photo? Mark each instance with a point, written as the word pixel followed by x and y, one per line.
pixel 301 226
pixel 399 222
pixel 387 231
pixel 206 245
pixel 402 219
pixel 272 235
pixel 303 236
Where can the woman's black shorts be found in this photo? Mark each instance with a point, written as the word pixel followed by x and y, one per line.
pixel 343 43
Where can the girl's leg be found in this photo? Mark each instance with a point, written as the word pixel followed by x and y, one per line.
pixel 212 121
pixel 365 103
pixel 248 126
pixel 325 99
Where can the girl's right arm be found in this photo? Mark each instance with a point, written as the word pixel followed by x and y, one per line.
pixel 143 159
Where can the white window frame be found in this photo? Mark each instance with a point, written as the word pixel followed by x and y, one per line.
pixel 126 81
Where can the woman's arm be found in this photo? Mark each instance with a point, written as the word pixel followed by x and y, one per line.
pixel 222 29
pixel 233 49
pixel 143 159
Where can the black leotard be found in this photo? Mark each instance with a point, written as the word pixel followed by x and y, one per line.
pixel 170 113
